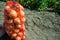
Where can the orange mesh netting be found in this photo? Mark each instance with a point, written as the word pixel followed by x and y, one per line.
pixel 14 20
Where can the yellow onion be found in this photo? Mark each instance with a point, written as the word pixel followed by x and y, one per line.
pixel 18 38
pixel 7 8
pixel 21 7
pixel 20 34
pixel 9 21
pixel 22 13
pixel 23 28
pixel 16 30
pixel 23 33
pixel 5 17
pixel 23 19
pixel 10 33
pixel 12 14
pixel 23 37
pixel 14 35
pixel 18 26
pixel 17 21
pixel 7 26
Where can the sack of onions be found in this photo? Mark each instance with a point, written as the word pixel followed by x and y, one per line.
pixel 14 20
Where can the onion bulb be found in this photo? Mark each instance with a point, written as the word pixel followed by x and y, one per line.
pixel 23 19
pixel 22 13
pixel 20 34
pixel 16 30
pixel 14 35
pixel 23 29
pixel 17 21
pixel 18 38
pixel 23 38
pixel 12 14
pixel 21 8
pixel 10 21
pixel 18 26
pixel 10 33
pixel 7 7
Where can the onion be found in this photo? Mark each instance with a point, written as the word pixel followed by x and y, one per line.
pixel 9 21
pixel 12 14
pixel 17 20
pixel 20 34
pixel 23 33
pixel 8 28
pixel 14 35
pixel 23 20
pixel 23 29
pixel 16 30
pixel 18 26
pixel 21 8
pixel 18 38
pixel 5 17
pixel 23 38
pixel 10 33
pixel 7 7
pixel 22 13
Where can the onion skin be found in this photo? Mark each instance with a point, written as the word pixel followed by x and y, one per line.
pixel 23 28
pixel 7 26
pixel 23 20
pixel 10 33
pixel 18 38
pixel 16 30
pixel 17 20
pixel 18 26
pixel 7 8
pixel 22 13
pixel 14 35
pixel 12 14
pixel 10 21
pixel 21 7
pixel 23 37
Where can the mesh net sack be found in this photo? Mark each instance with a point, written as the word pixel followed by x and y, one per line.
pixel 14 20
